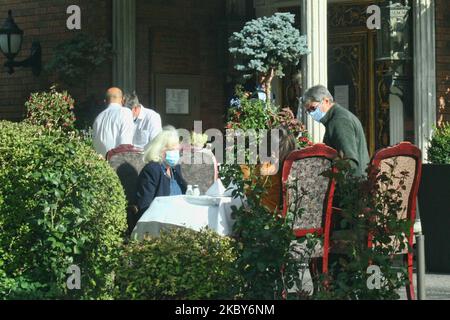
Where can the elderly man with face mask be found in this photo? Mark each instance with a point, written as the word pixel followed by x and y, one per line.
pixel 344 131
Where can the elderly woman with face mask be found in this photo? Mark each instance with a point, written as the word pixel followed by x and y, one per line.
pixel 161 176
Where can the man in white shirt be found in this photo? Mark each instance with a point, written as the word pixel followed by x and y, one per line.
pixel 147 122
pixel 114 126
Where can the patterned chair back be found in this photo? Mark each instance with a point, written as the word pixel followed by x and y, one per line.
pixel 128 163
pixel 305 188
pixel 199 167
pixel 393 161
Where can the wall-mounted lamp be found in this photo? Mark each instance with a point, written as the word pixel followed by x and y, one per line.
pixel 394 36
pixel 11 37
pixel 394 44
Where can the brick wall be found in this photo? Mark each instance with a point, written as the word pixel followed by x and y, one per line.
pixel 185 40
pixel 45 21
pixel 443 48
pixel 189 37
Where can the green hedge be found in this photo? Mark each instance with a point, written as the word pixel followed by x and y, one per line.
pixel 52 110
pixel 439 150
pixel 60 205
pixel 181 264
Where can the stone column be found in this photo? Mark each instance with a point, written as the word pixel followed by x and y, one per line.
pixel 124 44
pixel 424 72
pixel 396 116
pixel 315 64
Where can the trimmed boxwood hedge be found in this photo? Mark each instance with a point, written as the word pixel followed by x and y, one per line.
pixel 180 265
pixel 60 205
pixel 439 150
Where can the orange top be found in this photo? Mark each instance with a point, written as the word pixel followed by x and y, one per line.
pixel 272 198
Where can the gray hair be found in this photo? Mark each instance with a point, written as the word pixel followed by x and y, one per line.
pixel 131 101
pixel 316 94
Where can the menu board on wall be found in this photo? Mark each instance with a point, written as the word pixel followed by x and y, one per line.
pixel 177 101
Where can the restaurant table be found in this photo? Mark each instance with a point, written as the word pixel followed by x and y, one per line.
pixel 190 212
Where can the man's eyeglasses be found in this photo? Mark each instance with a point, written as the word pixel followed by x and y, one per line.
pixel 311 109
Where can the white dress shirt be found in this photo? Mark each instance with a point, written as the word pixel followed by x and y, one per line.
pixel 148 125
pixel 112 128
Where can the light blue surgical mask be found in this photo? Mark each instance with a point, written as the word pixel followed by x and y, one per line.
pixel 318 114
pixel 172 157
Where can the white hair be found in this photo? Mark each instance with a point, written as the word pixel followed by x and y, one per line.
pixel 167 139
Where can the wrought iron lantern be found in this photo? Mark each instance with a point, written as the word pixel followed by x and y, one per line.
pixel 394 37
pixel 11 38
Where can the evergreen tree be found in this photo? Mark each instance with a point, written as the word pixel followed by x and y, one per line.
pixel 266 45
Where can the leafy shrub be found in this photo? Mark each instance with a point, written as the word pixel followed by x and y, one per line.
pixel 53 110
pixel 251 114
pixel 266 260
pixel 439 150
pixel 77 59
pixel 369 205
pixel 254 114
pixel 181 264
pixel 61 205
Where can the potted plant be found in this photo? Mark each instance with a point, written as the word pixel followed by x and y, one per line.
pixel 265 46
pixel 433 200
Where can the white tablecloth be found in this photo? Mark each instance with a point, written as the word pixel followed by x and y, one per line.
pixel 195 213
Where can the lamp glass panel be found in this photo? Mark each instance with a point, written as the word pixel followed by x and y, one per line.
pixel 16 43
pixel 4 43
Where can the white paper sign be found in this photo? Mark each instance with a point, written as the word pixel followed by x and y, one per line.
pixel 341 95
pixel 177 101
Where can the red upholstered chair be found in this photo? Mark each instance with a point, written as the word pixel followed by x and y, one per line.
pixel 128 162
pixel 302 174
pixel 123 149
pixel 406 157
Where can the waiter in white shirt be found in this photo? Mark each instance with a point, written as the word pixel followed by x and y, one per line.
pixel 147 122
pixel 114 126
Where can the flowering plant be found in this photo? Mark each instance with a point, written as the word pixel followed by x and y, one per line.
pixel 53 110
pixel 287 119
pixel 198 140
pixel 254 114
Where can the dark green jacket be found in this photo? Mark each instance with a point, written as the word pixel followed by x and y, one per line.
pixel 345 133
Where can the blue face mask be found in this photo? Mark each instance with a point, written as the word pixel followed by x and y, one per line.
pixel 172 157
pixel 318 114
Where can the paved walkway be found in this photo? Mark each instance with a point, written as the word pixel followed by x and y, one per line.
pixel 437 287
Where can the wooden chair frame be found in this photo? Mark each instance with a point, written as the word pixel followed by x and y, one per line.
pixel 316 151
pixel 404 149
